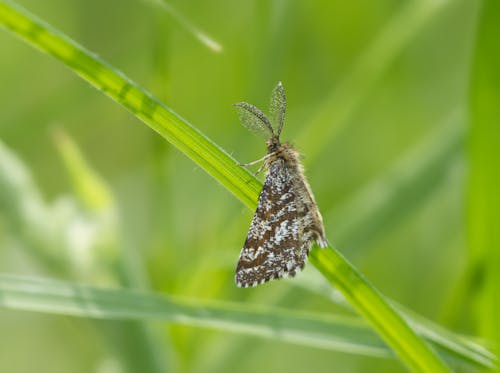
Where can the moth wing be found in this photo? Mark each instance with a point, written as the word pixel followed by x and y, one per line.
pixel 278 241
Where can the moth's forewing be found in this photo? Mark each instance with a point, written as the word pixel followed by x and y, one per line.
pixel 282 230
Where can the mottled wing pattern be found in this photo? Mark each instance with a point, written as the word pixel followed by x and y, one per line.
pixel 281 233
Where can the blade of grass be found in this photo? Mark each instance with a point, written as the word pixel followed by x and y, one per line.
pixel 95 199
pixel 189 26
pixel 484 181
pixel 395 331
pixel 91 190
pixel 336 333
pixel 346 334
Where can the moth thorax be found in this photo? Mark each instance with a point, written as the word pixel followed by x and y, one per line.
pixel 273 144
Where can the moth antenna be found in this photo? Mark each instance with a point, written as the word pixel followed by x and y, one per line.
pixel 277 107
pixel 253 118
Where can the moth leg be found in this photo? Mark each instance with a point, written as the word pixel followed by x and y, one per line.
pixel 322 242
pixel 259 170
pixel 263 159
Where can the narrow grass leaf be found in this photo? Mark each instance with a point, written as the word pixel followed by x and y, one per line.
pixel 345 334
pixel 188 25
pixel 484 181
pixel 334 333
pixel 92 191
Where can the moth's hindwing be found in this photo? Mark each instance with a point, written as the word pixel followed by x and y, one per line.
pixel 281 233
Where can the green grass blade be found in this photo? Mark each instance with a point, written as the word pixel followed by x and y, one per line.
pixel 189 26
pixel 345 334
pixel 412 350
pixel 484 181
pixel 335 333
pixel 91 190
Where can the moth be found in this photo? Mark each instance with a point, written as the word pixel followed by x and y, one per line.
pixel 287 221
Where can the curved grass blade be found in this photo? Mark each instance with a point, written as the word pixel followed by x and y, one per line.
pixel 334 333
pixel 91 190
pixel 200 35
pixel 395 331
pixel 484 183
pixel 344 334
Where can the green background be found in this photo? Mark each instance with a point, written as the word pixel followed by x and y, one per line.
pixel 387 100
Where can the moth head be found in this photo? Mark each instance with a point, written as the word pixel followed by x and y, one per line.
pixel 273 144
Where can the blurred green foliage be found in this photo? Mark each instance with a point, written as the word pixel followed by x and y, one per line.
pixel 377 96
pixel 484 181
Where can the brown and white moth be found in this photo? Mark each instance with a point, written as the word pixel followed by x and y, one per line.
pixel 287 221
